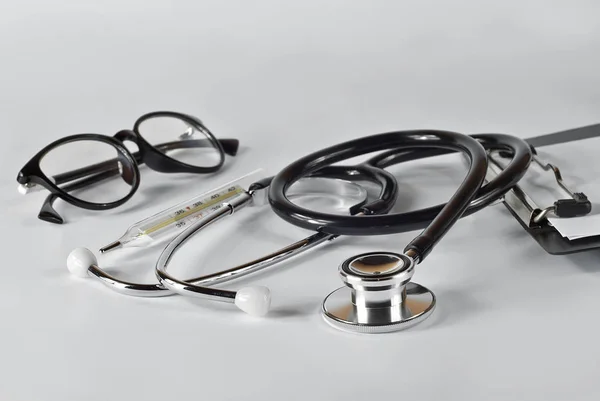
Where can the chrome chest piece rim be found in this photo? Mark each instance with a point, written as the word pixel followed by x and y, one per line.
pixel 378 296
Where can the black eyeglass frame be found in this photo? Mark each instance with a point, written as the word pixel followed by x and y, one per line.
pixel 147 154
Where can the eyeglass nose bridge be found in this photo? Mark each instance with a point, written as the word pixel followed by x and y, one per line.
pixel 129 135
pixel 126 135
pixel 150 156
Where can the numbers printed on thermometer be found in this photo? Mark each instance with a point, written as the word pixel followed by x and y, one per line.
pixel 181 217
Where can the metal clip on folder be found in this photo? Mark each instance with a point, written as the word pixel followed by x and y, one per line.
pixel 534 219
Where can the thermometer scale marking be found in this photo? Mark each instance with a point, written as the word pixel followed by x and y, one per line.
pixel 203 204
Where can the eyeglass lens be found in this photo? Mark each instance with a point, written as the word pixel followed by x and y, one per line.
pixel 106 174
pixel 183 141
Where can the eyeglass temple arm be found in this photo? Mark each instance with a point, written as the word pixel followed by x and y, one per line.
pixel 230 147
pixel 49 214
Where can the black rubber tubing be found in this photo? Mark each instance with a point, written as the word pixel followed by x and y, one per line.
pixel 388 223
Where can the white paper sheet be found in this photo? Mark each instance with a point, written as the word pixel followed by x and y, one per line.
pixel 577 227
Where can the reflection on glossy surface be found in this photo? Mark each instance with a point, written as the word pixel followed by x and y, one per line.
pixel 327 195
pixel 339 311
pixel 376 264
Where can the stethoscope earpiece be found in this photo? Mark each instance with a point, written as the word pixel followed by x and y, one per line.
pixel 80 260
pixel 378 296
pixel 255 300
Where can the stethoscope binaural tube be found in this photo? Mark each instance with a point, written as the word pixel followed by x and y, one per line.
pixel 254 300
pixel 82 262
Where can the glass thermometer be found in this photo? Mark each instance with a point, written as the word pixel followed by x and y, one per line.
pixel 167 223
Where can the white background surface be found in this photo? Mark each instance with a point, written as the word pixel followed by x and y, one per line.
pixel 512 321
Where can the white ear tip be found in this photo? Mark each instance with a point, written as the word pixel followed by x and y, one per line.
pixel 79 260
pixel 255 300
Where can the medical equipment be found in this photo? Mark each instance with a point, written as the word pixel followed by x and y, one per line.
pixel 547 224
pixel 81 262
pixel 167 223
pixel 378 295
pixel 102 174
pixel 337 181
pixel 404 147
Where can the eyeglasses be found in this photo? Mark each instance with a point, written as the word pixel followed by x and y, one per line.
pixel 102 174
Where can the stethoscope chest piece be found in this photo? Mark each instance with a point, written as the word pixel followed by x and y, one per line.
pixel 378 296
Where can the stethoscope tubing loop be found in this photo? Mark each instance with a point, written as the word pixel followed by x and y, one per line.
pixel 405 146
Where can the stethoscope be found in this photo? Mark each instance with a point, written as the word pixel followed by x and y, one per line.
pixel 378 295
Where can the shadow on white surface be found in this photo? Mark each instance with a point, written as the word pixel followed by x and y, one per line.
pixel 453 308
pixel 295 308
pixel 587 262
